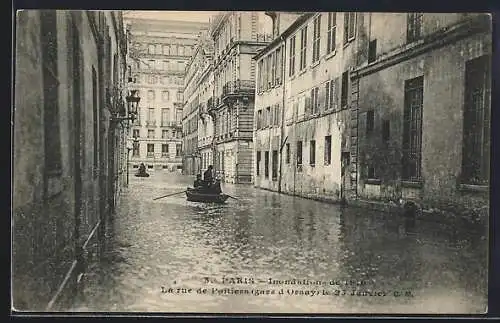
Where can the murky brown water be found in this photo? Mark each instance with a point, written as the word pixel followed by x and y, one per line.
pixel 172 243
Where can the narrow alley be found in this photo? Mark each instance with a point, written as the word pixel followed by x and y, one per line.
pixel 172 243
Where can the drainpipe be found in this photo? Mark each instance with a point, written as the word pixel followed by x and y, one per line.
pixel 282 141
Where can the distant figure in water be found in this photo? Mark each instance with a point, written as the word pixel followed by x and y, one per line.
pixel 208 176
pixel 142 169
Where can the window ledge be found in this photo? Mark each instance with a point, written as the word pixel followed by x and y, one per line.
pixel 331 54
pixel 316 63
pixel 414 184
pixel 473 187
pixel 302 71
pixel 373 181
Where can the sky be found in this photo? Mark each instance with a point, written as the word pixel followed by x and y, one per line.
pixel 200 16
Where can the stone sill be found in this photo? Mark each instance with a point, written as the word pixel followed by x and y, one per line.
pixel 473 188
pixel 412 184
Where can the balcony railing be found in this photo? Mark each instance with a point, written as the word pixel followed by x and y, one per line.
pixel 264 37
pixel 174 124
pixel 238 87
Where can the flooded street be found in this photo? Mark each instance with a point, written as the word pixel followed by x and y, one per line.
pixel 170 255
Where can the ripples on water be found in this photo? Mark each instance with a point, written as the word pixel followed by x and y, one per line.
pixel 174 243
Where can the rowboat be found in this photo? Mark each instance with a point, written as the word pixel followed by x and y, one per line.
pixel 195 195
pixel 142 175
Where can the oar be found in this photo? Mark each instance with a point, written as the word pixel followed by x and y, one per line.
pixel 157 198
pixel 232 197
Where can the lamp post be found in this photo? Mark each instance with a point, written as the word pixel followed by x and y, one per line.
pixel 132 106
pixel 129 148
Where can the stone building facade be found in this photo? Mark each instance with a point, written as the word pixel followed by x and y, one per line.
pixel 197 124
pixel 301 142
pixel 68 152
pixel 422 97
pixel 377 106
pixel 160 50
pixel 237 37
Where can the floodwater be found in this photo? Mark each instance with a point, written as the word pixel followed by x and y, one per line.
pixel 271 253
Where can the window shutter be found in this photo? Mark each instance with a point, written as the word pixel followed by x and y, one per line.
pixel 321 99
pixel 335 90
pixel 308 104
pixel 327 95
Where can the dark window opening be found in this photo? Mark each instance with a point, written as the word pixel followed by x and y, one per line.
pixel 299 152
pixel 266 164
pixel 412 132
pixel 414 26
pixel 476 146
pixel 345 89
pixel 371 172
pixel 312 153
pixel 274 170
pixel 386 130
pixel 258 163
pixel 370 121
pixel 287 159
pixel 372 51
pixel 328 150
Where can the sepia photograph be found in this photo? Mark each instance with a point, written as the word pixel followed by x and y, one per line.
pixel 250 162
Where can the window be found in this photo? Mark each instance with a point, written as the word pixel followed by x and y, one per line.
pixel 151 49
pixel 166 50
pixel 345 89
pixel 312 152
pixel 287 153
pixel 179 96
pixel 260 76
pixel 151 95
pixel 178 115
pixel 178 150
pixel 272 57
pixel 51 90
pixel 164 150
pixel 258 163
pixel 151 150
pixel 349 26
pixel 165 116
pixel 291 68
pixel 386 130
pixel 316 38
pixel 303 48
pixel 331 94
pixel 370 172
pixel 165 96
pixel 332 30
pixel 266 164
pixel 151 115
pixel 135 149
pixel 151 133
pixel 274 170
pixel 372 51
pixel 414 26
pixel 135 133
pixel 151 64
pixel 476 147
pixel 370 121
pixel 259 119
pixel 279 65
pixel 268 117
pixel 315 100
pixel 96 118
pixel 299 152
pixel 328 150
pixel 277 114
pixel 412 129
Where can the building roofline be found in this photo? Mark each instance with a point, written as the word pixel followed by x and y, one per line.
pixel 284 34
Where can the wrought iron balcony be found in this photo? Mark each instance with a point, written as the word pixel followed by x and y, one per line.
pixel 243 87
pixel 264 37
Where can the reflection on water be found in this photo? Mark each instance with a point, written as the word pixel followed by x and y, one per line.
pixel 174 243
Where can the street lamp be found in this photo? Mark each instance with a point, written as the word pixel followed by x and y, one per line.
pixel 132 107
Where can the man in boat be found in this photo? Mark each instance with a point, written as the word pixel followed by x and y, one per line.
pixel 142 169
pixel 216 189
pixel 208 176
pixel 198 183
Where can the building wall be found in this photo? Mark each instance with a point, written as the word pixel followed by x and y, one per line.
pixel 169 45
pixel 323 179
pixel 55 214
pixel 443 71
